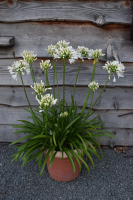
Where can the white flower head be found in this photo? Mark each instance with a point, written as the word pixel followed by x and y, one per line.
pixel 20 66
pixel 29 56
pixel 45 65
pixel 93 86
pixel 84 51
pixel 115 68
pixel 65 114
pixel 67 53
pixel 39 88
pixel 51 49
pixel 46 101
pixel 95 54
pixel 62 43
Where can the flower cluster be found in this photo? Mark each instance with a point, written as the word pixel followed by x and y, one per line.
pixel 20 66
pixel 51 49
pixel 93 86
pixel 64 51
pixel 67 53
pixel 95 54
pixel 115 67
pixel 45 65
pixel 46 101
pixel 39 88
pixel 29 56
pixel 65 114
pixel 84 51
pixel 62 43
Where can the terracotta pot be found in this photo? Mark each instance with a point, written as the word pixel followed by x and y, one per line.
pixel 61 169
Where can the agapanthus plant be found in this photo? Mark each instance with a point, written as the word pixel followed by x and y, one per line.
pixel 56 125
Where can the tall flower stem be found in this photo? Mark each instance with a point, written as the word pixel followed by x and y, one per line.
pixel 96 99
pixel 56 80
pixel 64 63
pixel 32 73
pixel 47 81
pixel 27 98
pixel 100 93
pixel 76 78
pixel 25 91
pixel 46 121
pixel 92 78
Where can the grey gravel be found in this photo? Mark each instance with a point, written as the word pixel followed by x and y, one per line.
pixel 111 179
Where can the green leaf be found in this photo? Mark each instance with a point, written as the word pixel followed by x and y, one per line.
pixel 54 138
pixel 39 136
pixel 72 150
pixel 27 137
pixel 52 152
pixel 44 163
pixel 29 152
pixel 34 156
pixel 90 145
pixel 40 160
pixel 52 159
pixel 77 160
pixel 84 163
pixel 82 141
pixel 107 135
pixel 71 123
pixel 90 158
pixel 70 158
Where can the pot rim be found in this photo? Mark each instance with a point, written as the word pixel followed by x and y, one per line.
pixel 59 154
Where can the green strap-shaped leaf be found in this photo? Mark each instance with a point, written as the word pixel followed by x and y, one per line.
pixel 44 163
pixel 72 122
pixel 82 141
pixel 27 137
pixel 84 163
pixel 70 158
pixel 52 159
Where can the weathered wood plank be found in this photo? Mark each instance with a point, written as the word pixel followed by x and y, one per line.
pixel 124 136
pixel 112 98
pixel 86 67
pixel 83 80
pixel 28 36
pixel 10 115
pixel 7 41
pixel 7 136
pixel 94 11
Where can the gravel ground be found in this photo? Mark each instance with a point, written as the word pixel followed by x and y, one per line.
pixel 111 179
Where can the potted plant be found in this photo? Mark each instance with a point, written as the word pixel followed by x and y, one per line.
pixel 58 130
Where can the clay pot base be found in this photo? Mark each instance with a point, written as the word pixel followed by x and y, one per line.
pixel 61 169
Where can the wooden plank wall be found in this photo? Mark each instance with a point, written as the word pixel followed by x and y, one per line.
pixel 94 24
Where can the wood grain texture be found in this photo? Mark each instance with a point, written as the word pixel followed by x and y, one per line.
pixel 10 115
pixel 112 98
pixel 36 36
pixel 124 137
pixel 98 12
pixel 7 41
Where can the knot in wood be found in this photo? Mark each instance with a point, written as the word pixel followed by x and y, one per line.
pixel 11 3
pixel 127 3
pixel 100 20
